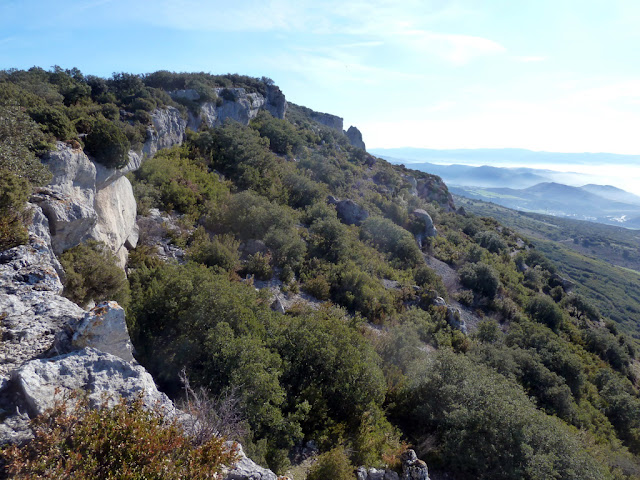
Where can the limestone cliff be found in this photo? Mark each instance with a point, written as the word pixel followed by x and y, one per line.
pixel 51 347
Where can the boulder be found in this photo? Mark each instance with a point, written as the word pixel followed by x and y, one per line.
pixel 105 329
pixel 278 305
pixel 115 206
pixel 68 200
pixel 412 467
pixel 355 137
pixel 104 377
pixel 350 212
pixel 429 230
pixel 247 469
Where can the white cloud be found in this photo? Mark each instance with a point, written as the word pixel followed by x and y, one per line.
pixel 529 59
pixel 456 49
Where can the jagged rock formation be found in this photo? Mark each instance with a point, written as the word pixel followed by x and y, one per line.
pixel 355 137
pixel 85 200
pixel 412 469
pixel 349 211
pixel 168 129
pixel 233 103
pixel 454 315
pixel 51 347
pixel 328 120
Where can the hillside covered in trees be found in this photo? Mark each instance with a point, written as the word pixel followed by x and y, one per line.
pixel 337 298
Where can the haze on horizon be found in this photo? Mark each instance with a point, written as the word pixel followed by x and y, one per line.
pixel 544 75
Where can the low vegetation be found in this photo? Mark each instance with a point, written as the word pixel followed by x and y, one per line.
pixel 542 386
pixel 124 441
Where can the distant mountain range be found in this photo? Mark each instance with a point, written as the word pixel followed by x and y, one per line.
pixel 529 189
pixel 494 156
pixel 591 202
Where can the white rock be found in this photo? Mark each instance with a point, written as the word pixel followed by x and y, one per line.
pixel 115 207
pixel 103 376
pixel 168 129
pixel 247 469
pixel 104 328
pixel 68 201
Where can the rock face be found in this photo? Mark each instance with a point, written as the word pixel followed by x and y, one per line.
pixel 328 120
pixel 349 211
pixel 168 129
pixel 355 137
pixel 87 201
pixel 51 347
pixel 103 376
pixel 233 103
pixel 454 316
pixel 115 206
pixel 104 328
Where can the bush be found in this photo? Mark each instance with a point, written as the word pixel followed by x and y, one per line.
pixel 92 273
pixel 14 193
pixel 481 278
pixel 544 310
pixel 391 238
pixel 221 251
pixel 54 121
pixel 491 241
pixel 333 465
pixel 126 441
pixel 108 144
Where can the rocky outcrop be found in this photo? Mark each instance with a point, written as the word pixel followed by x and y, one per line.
pixel 168 129
pixel 104 377
pixel 412 469
pixel 85 200
pixel 429 230
pixel 51 347
pixel 328 120
pixel 247 469
pixel 432 189
pixel 454 315
pixel 348 211
pixel 232 103
pixel 355 137
pixel 115 207
pixel 105 329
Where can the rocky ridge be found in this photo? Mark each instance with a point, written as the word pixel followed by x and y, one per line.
pixel 51 347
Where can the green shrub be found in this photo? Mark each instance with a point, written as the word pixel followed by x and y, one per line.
pixel 491 241
pixel 317 286
pixel 333 465
pixel 92 273
pixel 544 310
pixel 221 251
pixel 14 193
pixel 487 427
pixel 259 264
pixel 391 238
pixel 108 144
pixel 126 441
pixel 481 278
pixel 54 121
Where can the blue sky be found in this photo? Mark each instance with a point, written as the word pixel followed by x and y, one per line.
pixel 559 75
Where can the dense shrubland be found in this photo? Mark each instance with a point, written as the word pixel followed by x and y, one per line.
pixel 542 387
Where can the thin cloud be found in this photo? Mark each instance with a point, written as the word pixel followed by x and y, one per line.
pixel 456 49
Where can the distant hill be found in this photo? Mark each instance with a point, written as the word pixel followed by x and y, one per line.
pixel 502 155
pixel 612 193
pixel 560 200
pixel 482 176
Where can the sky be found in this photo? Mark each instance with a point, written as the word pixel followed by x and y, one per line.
pixel 551 75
